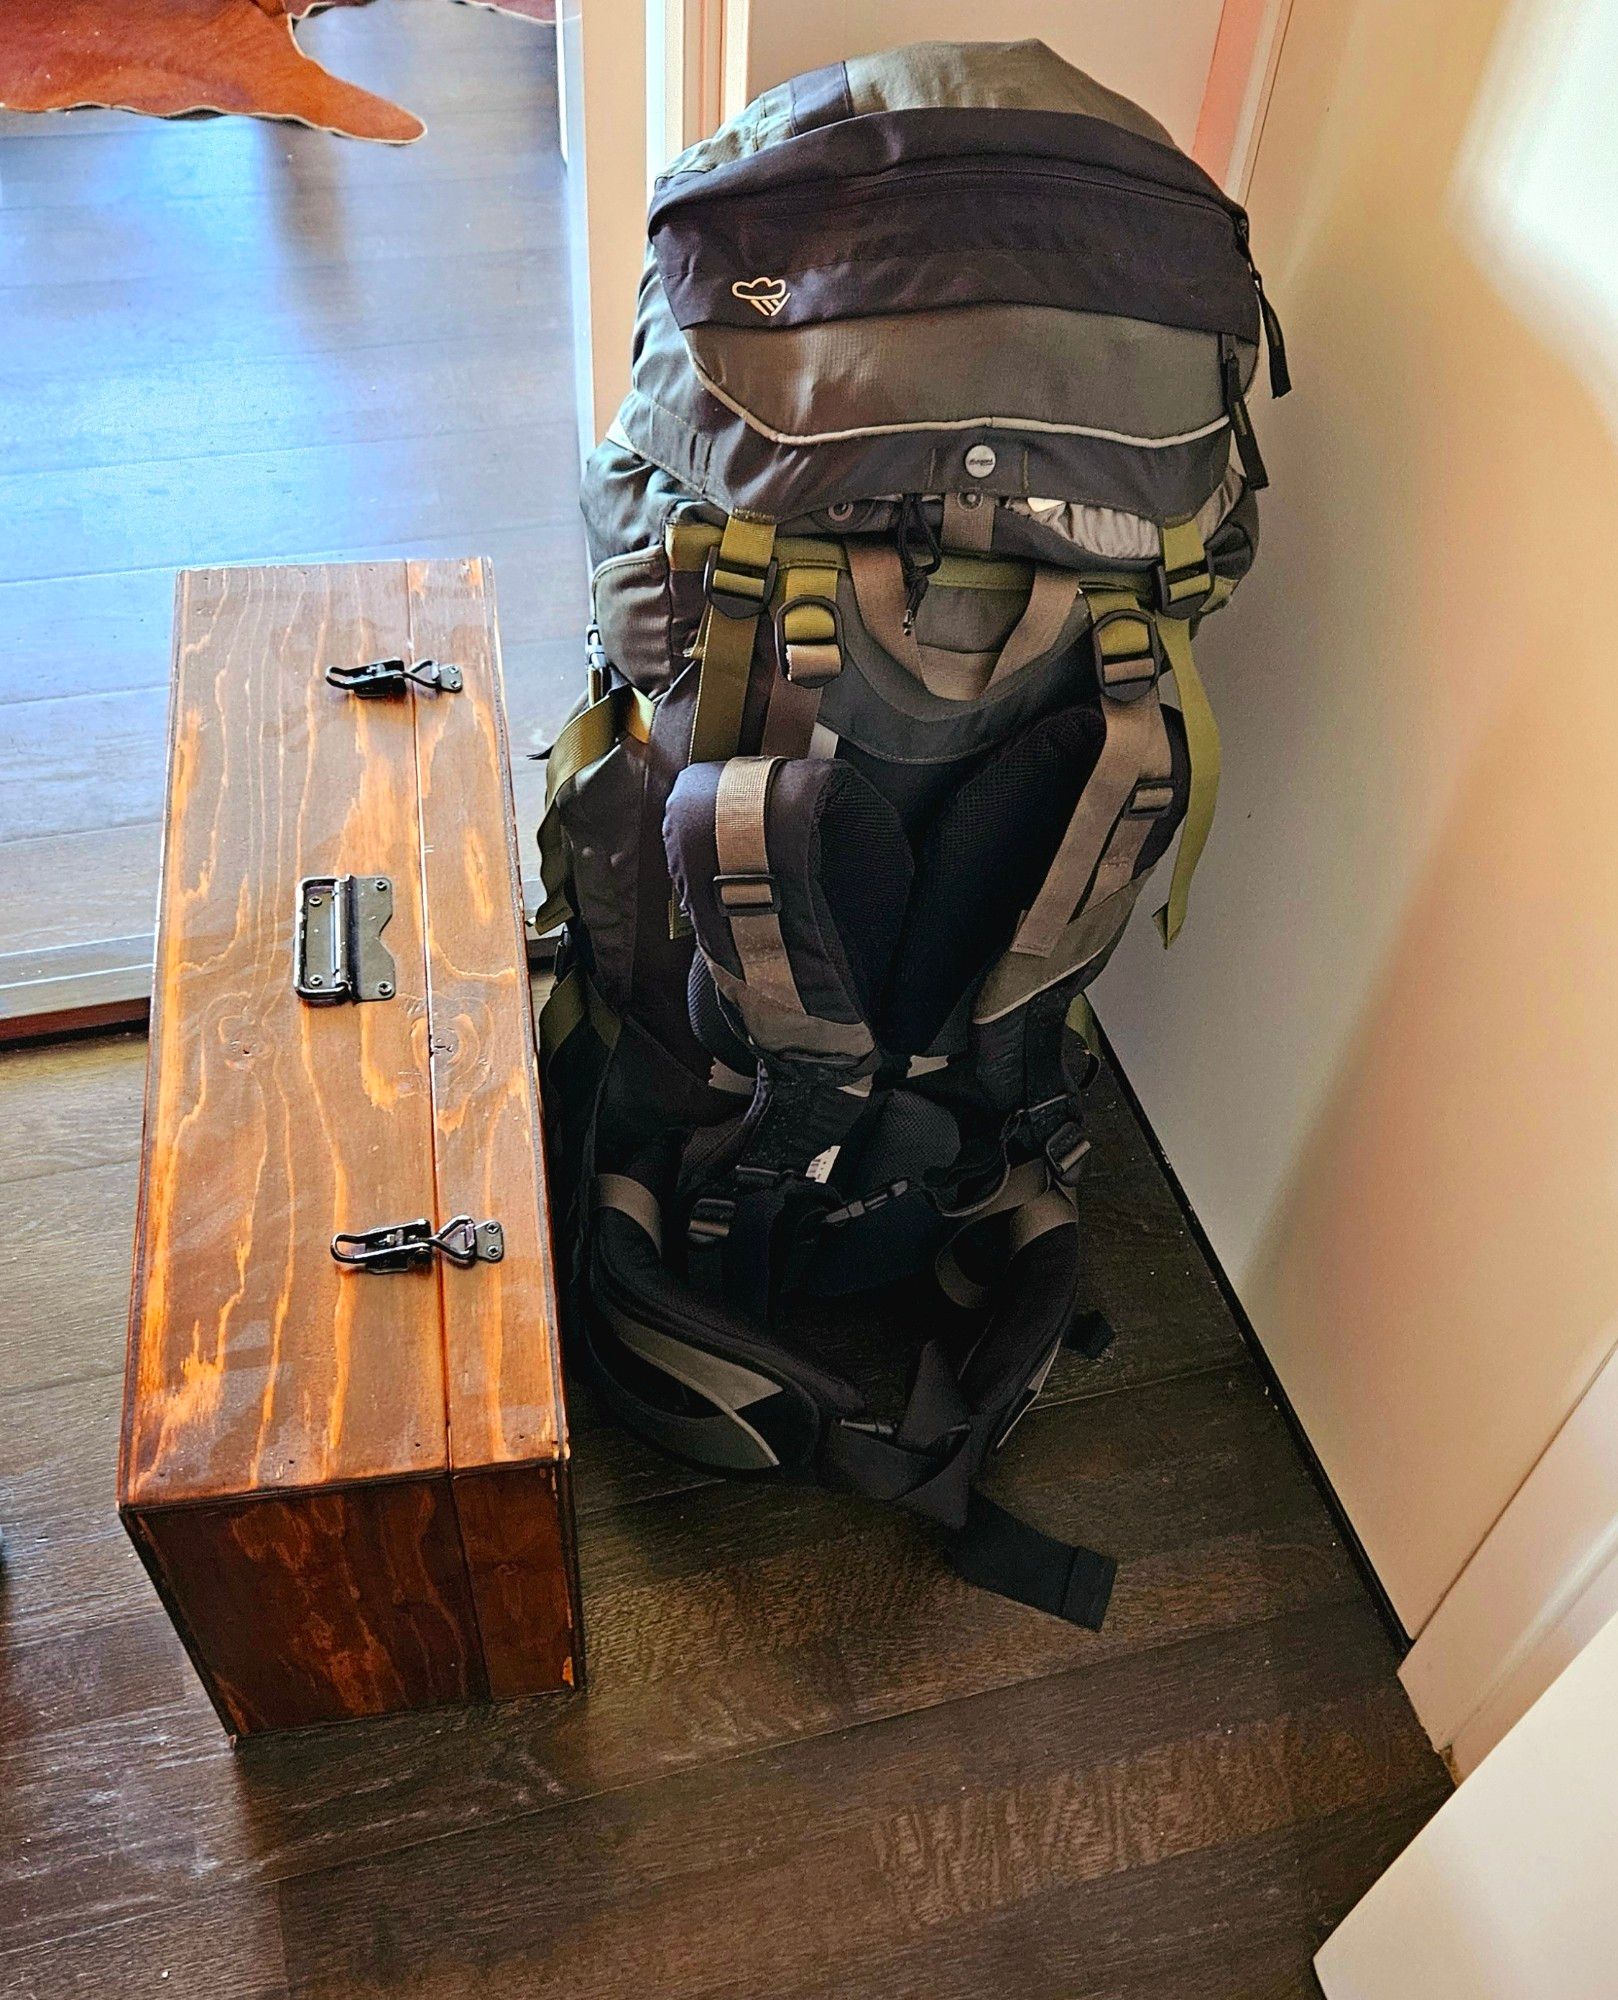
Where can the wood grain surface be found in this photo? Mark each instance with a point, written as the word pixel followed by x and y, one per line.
pixel 350 1489
pixel 254 1361
pixel 507 1437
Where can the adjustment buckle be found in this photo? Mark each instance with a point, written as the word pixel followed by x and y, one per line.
pixel 407 1246
pixel 1181 592
pixel 736 592
pixel 709 1222
pixel 852 1211
pixel 809 663
pixel 379 679
pixel 1067 1150
pixel 754 895
pixel 1126 676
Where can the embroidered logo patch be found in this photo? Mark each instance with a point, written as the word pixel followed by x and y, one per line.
pixel 769 295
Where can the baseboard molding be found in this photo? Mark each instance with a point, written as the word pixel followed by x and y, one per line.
pixel 1272 1382
pixel 60 991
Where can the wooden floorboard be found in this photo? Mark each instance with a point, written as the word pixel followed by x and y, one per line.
pixel 810 1761
pixel 228 341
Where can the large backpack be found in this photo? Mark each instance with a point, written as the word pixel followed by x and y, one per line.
pixel 935 455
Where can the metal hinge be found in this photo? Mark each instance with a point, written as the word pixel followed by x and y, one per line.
pixel 337 951
pixel 380 678
pixel 405 1246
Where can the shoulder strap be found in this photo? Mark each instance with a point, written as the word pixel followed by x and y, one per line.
pixel 738 581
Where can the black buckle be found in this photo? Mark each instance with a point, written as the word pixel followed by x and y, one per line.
pixel 783 647
pixel 851 1211
pixel 1067 1149
pixel 757 895
pixel 1126 676
pixel 379 679
pixel 406 1246
pixel 709 1222
pixel 736 604
pixel 1165 588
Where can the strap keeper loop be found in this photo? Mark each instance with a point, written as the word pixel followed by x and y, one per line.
pixel 749 895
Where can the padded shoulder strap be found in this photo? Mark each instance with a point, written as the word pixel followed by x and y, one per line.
pixel 738 580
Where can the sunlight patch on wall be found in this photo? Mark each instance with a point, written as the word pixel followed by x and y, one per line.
pixel 1536 185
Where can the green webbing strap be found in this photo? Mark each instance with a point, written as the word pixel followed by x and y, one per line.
pixel 582 742
pixel 1183 579
pixel 738 582
pixel 1202 744
pixel 811 659
pixel 809 630
pixel 572 1002
pixel 558 904
pixel 688 544
pixel 594 731
pixel 1081 1019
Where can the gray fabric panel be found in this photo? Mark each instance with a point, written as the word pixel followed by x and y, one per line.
pixel 634 609
pixel 601 812
pixel 766 121
pixel 1013 362
pixel 879 706
pixel 1012 76
pixel 736 467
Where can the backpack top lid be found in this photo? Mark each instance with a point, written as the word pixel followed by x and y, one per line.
pixel 954 266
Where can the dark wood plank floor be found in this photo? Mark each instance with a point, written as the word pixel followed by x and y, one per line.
pixel 227 341
pixel 810 1763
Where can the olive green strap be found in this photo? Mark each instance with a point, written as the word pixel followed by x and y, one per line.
pixel 738 578
pixel 1081 1019
pixel 1126 792
pixel 582 742
pixel 810 636
pixel 570 1003
pixel 1202 745
pixel 594 731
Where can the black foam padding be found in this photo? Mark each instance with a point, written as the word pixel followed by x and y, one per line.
pixel 841 869
pixel 981 865
pixel 709 1022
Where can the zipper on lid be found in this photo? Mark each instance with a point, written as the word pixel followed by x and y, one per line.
pixel 1241 425
pixel 881 187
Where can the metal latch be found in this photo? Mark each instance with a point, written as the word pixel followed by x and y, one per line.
pixel 406 1246
pixel 338 953
pixel 381 678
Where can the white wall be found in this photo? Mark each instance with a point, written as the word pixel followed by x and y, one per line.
pixel 1155 51
pixel 1507 1893
pixel 1382 1057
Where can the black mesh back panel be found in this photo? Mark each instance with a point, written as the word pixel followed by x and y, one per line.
pixel 981 864
pixel 864 876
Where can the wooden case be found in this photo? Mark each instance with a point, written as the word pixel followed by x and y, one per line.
pixel 350 1488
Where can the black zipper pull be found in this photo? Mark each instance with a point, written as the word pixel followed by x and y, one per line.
pixel 917 569
pixel 1274 338
pixel 1241 425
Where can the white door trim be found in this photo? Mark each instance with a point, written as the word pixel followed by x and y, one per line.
pixel 1539 1585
